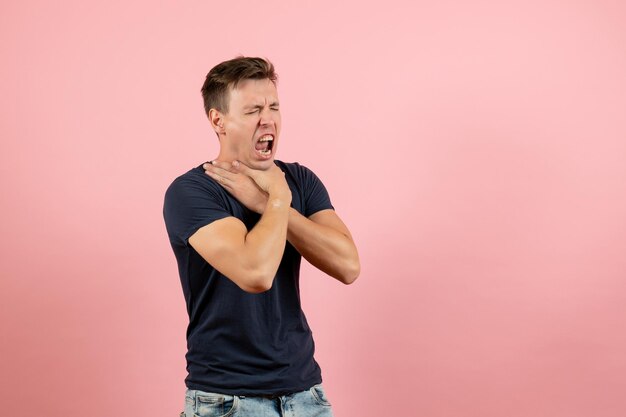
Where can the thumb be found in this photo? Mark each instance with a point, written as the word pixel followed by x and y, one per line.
pixel 240 168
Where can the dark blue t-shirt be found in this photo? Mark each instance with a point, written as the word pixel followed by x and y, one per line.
pixel 241 343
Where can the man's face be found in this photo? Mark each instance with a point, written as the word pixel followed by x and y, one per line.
pixel 252 125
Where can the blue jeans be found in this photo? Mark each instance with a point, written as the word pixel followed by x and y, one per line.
pixel 308 403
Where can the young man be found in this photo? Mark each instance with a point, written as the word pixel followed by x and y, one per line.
pixel 238 226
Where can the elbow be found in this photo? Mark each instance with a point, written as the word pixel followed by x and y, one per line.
pixel 350 273
pixel 259 282
pixel 257 289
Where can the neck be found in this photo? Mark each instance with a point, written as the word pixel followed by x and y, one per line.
pixel 225 154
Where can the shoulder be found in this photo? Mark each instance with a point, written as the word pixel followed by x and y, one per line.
pixel 192 189
pixel 296 170
pixel 193 180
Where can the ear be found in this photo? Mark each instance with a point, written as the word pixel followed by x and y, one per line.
pixel 217 121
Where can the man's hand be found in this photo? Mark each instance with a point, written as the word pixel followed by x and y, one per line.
pixel 249 186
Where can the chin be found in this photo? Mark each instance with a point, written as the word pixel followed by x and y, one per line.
pixel 261 165
pixel 264 165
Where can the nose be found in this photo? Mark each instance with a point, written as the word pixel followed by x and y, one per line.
pixel 266 117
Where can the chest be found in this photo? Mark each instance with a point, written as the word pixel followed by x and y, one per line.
pixel 249 217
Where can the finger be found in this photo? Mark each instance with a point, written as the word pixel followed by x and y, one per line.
pixel 219 164
pixel 242 168
pixel 222 164
pixel 220 171
pixel 222 180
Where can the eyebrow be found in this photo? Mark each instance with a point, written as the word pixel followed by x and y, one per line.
pixel 260 106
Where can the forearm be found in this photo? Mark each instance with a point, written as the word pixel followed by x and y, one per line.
pixel 265 242
pixel 324 247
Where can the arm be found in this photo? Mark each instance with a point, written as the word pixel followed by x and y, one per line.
pixel 249 258
pixel 325 241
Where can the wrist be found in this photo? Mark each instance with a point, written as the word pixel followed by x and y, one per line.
pixel 277 203
pixel 280 193
pixel 278 200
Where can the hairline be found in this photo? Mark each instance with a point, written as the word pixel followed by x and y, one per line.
pixel 235 84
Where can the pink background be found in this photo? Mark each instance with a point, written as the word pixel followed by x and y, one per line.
pixel 475 149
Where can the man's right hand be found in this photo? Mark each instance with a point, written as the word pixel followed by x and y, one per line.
pixel 272 181
pixel 242 182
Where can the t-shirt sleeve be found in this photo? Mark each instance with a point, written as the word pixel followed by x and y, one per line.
pixel 190 205
pixel 316 196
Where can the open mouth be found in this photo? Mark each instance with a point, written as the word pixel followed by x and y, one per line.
pixel 264 145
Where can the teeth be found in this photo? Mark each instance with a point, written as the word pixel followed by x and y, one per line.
pixel 265 152
pixel 266 138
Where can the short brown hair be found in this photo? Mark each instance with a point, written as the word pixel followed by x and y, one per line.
pixel 231 73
